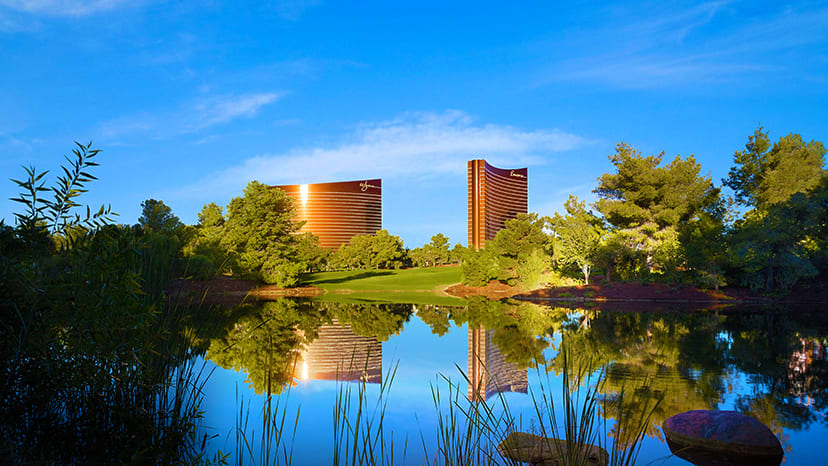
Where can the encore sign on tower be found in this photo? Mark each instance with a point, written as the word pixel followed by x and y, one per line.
pixel 495 195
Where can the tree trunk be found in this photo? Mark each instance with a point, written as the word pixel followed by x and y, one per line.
pixel 586 269
pixel 769 280
pixel 715 276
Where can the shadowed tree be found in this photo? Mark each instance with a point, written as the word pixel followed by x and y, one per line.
pixel 775 240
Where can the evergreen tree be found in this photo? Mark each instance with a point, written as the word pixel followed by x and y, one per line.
pixel 649 201
pixel 774 242
pixel 157 217
pixel 764 175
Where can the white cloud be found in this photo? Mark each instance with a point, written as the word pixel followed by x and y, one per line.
pixel 192 117
pixel 65 7
pixel 414 144
pixel 220 110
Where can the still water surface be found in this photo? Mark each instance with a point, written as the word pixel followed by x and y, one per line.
pixel 767 363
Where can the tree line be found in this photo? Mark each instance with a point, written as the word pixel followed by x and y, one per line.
pixel 762 227
pixel 667 221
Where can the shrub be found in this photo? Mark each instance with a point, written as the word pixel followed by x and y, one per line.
pixel 201 267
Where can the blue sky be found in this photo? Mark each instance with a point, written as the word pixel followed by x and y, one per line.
pixel 191 100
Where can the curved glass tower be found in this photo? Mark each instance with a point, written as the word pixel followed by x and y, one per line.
pixel 495 195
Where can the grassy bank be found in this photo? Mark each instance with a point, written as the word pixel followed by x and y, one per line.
pixel 420 279
pixel 412 286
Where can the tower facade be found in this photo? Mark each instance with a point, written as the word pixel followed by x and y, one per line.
pixel 336 212
pixel 489 372
pixel 495 195
pixel 338 353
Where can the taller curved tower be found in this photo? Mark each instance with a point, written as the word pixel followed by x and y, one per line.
pixel 495 195
pixel 336 212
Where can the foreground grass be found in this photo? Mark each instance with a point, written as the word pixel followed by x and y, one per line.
pixel 420 279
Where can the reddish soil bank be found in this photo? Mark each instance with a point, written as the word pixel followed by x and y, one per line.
pixel 493 290
pixel 230 292
pixel 809 292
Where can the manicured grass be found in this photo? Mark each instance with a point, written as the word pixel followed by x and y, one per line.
pixel 425 279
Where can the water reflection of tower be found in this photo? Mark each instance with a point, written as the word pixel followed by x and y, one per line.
pixel 340 354
pixel 495 196
pixel 489 372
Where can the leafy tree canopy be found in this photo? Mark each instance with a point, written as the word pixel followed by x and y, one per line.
pixel 434 253
pixel 766 174
pixel 259 233
pixel 519 253
pixel 380 251
pixel 157 217
pixel 774 244
pixel 645 197
pixel 577 236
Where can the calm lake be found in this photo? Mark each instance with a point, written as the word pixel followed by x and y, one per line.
pixel 767 363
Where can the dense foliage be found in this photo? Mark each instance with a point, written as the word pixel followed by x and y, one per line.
pixel 657 221
pixel 93 364
pixel 258 238
pixel 380 251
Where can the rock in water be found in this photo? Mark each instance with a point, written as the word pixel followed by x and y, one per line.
pixel 534 449
pixel 712 437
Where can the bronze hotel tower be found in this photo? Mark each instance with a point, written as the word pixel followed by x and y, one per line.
pixel 495 195
pixel 336 212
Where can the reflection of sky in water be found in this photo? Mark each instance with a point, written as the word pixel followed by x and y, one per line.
pixel 421 358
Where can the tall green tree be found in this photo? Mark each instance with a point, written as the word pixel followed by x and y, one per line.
pixel 204 252
pixel 577 236
pixel 380 251
pixel 704 241
pixel 259 232
pixel 648 200
pixel 157 217
pixel 775 240
pixel 434 253
pixel 765 174
pixel 313 256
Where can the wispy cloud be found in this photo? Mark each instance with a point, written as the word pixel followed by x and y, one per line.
pixel 195 116
pixel 708 43
pixel 413 144
pixel 67 7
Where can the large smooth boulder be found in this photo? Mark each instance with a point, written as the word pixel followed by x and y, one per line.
pixel 713 437
pixel 537 450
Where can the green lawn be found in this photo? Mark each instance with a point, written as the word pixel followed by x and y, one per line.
pixel 426 279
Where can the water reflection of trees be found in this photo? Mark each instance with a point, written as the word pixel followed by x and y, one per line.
pixel 266 340
pixel 520 329
pixel 690 359
pixel 784 358
pixel 674 357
